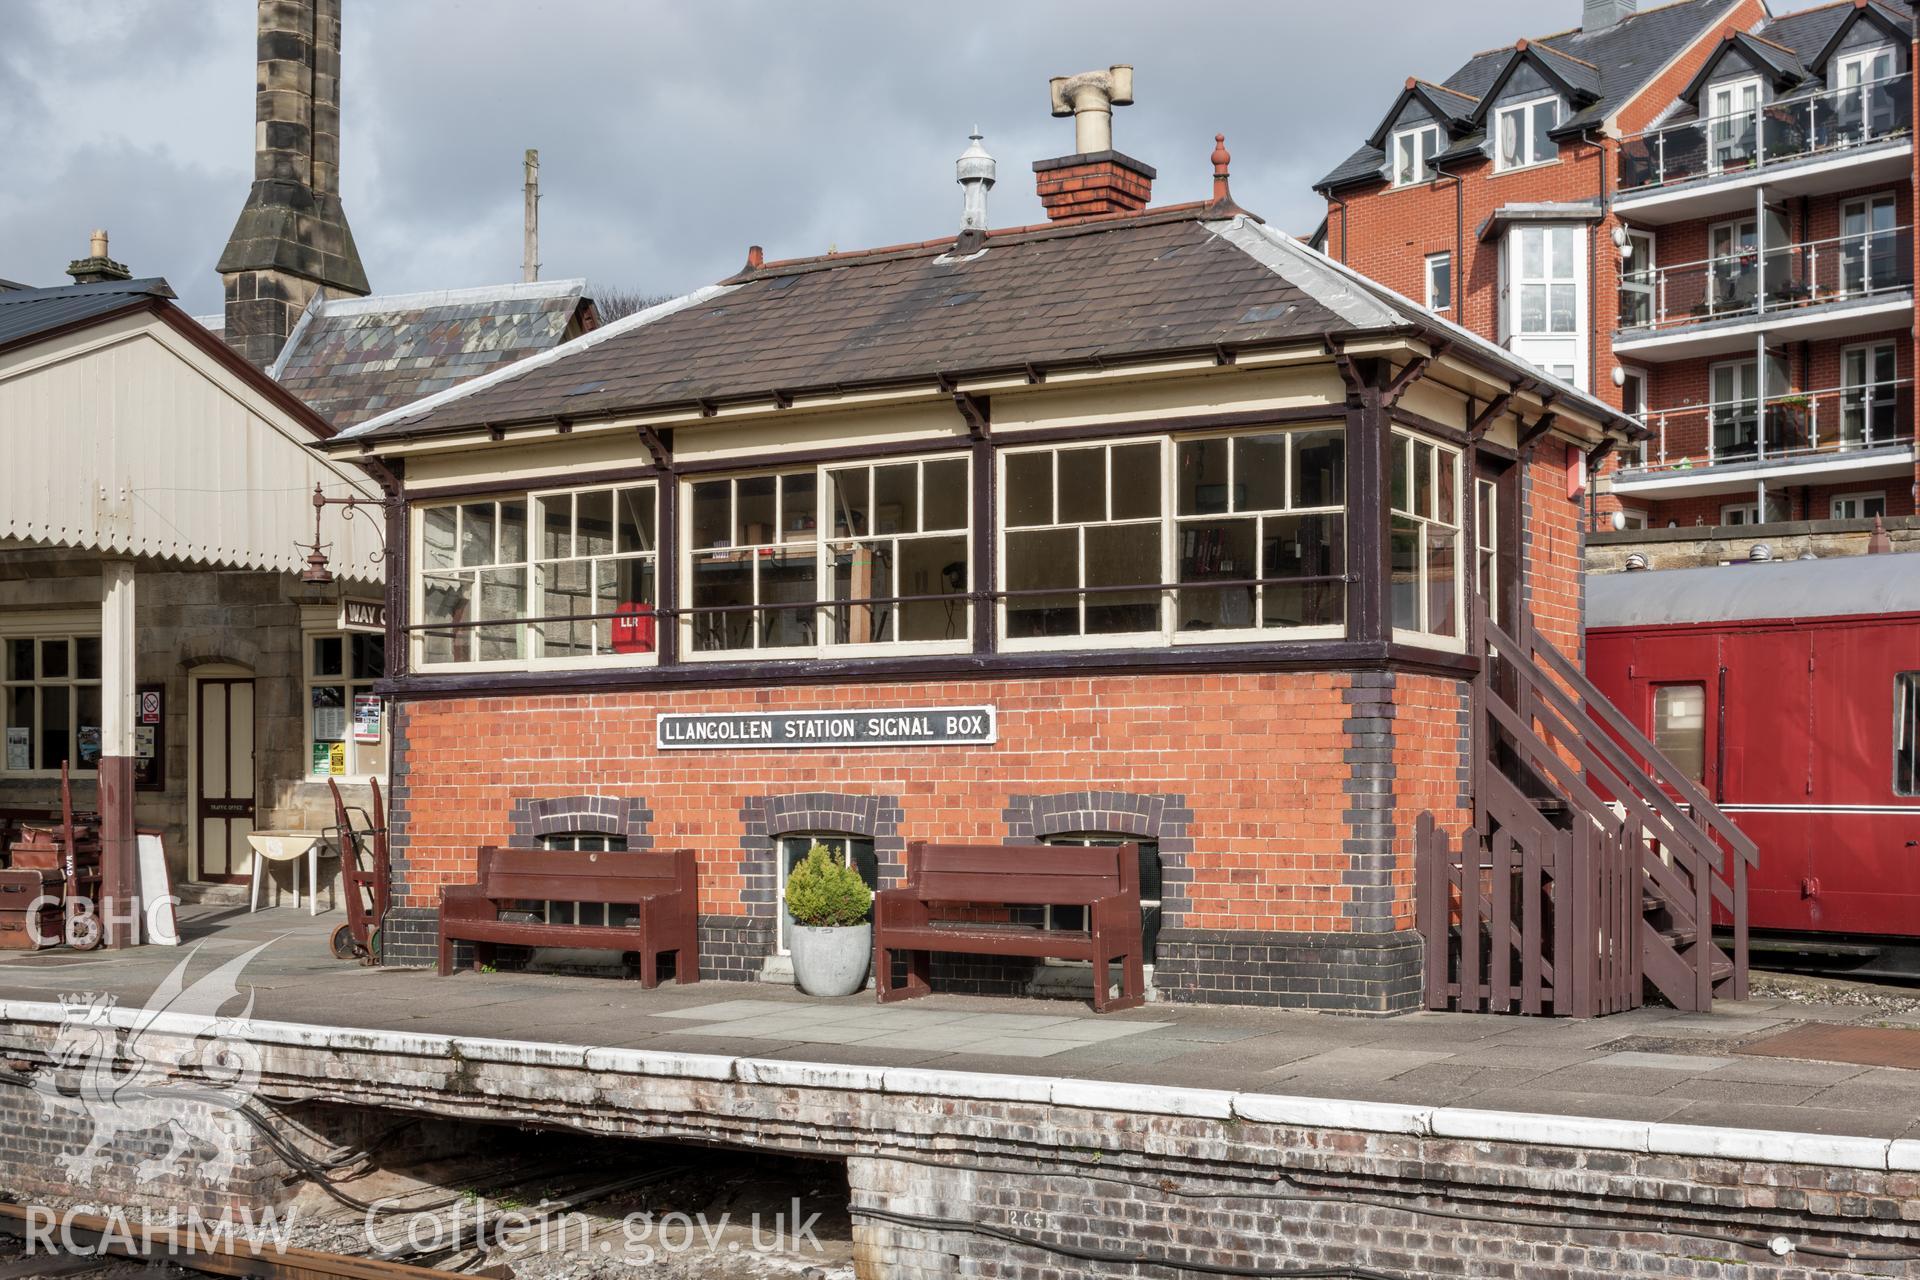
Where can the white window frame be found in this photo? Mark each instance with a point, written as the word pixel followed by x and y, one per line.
pixel 1640 273
pixel 40 632
pixel 1101 840
pixel 1747 513
pixel 1486 535
pixel 1722 131
pixel 538 560
pixel 1525 111
pixel 1563 353
pixel 352 686
pixel 839 843
pixel 1632 518
pixel 1870 389
pixel 584 842
pixel 1407 142
pixel 1867 204
pixel 1860 500
pixel 1860 63
pixel 1408 442
pixel 1433 262
pixel 1170 522
pixel 823 604
pixel 418 573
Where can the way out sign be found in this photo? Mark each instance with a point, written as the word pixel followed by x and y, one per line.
pixel 887 727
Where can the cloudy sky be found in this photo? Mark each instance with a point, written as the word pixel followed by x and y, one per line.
pixel 673 135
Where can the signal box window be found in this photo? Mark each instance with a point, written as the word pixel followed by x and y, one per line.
pixel 1906 734
pixel 1680 727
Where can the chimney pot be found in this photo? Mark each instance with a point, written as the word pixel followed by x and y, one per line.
pixel 756 257
pixel 1090 98
pixel 97 267
pixel 99 242
pixel 1096 180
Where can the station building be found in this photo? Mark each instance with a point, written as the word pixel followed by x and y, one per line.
pixel 1141 524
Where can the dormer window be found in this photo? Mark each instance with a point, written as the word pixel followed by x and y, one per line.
pixel 1520 134
pixel 1411 152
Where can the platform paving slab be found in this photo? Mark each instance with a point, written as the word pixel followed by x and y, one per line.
pixel 1651 1064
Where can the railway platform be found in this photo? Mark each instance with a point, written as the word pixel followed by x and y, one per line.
pixel 1775 1134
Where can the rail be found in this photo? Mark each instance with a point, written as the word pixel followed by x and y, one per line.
pixel 1797 425
pixel 1747 281
pixel 1767 134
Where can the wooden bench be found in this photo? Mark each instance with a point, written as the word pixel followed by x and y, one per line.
pixel 1105 880
pixel 662 889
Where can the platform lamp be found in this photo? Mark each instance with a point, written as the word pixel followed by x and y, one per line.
pixel 318 573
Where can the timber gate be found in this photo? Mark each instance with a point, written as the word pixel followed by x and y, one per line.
pixel 1594 867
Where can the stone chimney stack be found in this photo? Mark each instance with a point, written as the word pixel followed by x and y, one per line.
pixel 1096 179
pixel 97 267
pixel 292 237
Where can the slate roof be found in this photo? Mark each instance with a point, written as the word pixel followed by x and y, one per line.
pixel 1789 47
pixel 1842 587
pixel 351 359
pixel 1612 63
pixel 29 314
pixel 1182 279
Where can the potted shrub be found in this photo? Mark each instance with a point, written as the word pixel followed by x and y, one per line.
pixel 831 935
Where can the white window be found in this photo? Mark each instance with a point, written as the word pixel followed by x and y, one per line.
pixel 1733 115
pixel 1251 525
pixel 1748 513
pixel 587 913
pixel 561 577
pixel 1874 107
pixel 595 569
pixel 1858 506
pixel 791 850
pixel 891 569
pixel 1411 152
pixel 1486 530
pixel 346 720
pixel 1871 244
pixel 1425 539
pixel 1733 275
pixel 1869 391
pixel 1734 406
pixel 1633 403
pixel 1521 134
pixel 1440 282
pixel 1546 270
pixel 1084 541
pixel 472 559
pixel 1639 281
pixel 1632 518
pixel 50 686
pixel 900 541
pixel 1075 917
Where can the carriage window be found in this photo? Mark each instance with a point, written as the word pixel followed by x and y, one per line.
pixel 1906 734
pixel 588 913
pixel 791 850
pixel 1680 727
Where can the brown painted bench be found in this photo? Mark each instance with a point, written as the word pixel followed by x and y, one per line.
pixel 662 889
pixel 1104 879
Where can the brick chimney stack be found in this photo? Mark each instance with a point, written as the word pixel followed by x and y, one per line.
pixel 1096 179
pixel 292 237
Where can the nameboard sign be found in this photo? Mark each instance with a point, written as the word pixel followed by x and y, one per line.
pixel 363 615
pixel 759 731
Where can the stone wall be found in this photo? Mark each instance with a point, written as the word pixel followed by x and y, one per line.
pixel 1689 548
pixel 958 1173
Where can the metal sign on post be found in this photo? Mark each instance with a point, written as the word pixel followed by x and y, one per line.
pixel 887 727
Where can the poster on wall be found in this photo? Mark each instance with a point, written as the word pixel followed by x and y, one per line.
pixel 90 744
pixel 366 717
pixel 337 759
pixel 19 747
pixel 150 740
pixel 329 716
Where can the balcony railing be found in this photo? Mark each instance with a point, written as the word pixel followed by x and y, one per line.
pixel 1795 425
pixel 1750 282
pixel 1814 124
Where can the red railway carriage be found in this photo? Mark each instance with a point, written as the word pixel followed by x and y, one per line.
pixel 1792 692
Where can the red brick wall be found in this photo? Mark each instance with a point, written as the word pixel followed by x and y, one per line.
pixel 1429 747
pixel 1553 531
pixel 1259 759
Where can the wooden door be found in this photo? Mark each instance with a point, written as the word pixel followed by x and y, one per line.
pixel 223 777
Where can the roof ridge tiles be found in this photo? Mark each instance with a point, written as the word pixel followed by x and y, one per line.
pixel 1444 88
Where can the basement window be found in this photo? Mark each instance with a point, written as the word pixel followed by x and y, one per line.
pixel 588 913
pixel 791 849
pixel 1075 917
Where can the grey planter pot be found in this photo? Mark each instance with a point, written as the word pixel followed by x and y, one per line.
pixel 831 962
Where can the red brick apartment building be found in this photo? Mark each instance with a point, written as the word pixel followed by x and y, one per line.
pixel 1143 524
pixel 1703 214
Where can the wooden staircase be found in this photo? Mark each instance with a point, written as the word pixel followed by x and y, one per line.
pixel 1594 868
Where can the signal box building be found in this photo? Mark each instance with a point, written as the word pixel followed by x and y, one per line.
pixel 1142 524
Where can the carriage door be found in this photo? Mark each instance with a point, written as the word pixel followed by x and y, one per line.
pixel 223 777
